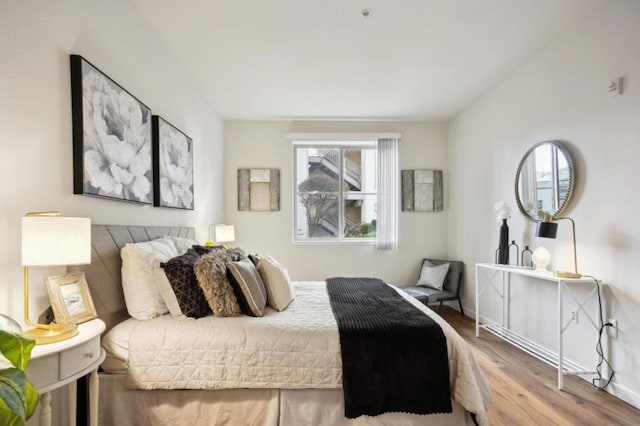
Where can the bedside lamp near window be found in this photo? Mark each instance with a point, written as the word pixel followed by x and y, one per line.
pixel 49 239
pixel 225 233
pixel 547 228
pixel 220 233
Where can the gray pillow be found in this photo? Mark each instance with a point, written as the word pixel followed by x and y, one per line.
pixel 211 271
pixel 248 287
pixel 433 275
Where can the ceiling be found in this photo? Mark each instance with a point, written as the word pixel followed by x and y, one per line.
pixel 420 60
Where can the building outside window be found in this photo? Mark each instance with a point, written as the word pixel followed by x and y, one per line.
pixel 335 191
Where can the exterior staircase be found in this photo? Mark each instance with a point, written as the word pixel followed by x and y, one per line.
pixel 330 222
pixel 329 161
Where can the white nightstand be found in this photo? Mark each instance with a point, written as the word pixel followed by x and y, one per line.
pixel 57 364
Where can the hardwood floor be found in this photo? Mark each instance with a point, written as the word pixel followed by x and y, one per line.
pixel 524 389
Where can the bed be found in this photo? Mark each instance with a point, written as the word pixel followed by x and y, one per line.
pixel 288 371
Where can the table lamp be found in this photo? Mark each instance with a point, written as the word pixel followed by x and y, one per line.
pixel 49 239
pixel 220 233
pixel 547 228
pixel 224 233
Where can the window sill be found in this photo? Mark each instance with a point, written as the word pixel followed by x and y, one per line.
pixel 335 242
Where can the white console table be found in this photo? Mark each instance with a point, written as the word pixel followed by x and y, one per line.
pixel 62 363
pixel 488 273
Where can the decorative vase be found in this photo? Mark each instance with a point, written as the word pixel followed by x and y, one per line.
pixel 515 258
pixel 526 257
pixel 502 254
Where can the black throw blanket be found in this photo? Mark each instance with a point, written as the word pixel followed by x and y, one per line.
pixel 394 357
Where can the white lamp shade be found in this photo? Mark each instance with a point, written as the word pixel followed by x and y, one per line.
pixel 56 240
pixel 224 233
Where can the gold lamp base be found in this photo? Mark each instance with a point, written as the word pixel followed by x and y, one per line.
pixel 52 333
pixel 562 274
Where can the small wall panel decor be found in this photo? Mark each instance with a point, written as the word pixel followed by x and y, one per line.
pixel 111 137
pixel 259 190
pixel 172 166
pixel 422 190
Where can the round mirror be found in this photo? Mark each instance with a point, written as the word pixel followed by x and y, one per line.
pixel 544 180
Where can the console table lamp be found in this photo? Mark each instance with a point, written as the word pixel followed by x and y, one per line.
pixel 49 239
pixel 547 228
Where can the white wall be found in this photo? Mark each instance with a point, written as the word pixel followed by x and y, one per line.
pixel 561 93
pixel 264 144
pixel 36 38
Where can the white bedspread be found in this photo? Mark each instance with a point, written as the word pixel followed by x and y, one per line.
pixel 294 349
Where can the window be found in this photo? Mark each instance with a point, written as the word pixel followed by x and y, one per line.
pixel 335 190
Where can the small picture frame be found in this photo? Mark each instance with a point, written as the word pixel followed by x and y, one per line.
pixel 70 298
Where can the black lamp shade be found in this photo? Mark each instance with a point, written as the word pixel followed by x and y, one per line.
pixel 547 229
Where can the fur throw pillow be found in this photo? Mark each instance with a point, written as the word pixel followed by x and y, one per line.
pixel 211 272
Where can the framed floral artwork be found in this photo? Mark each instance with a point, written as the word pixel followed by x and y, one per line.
pixel 111 137
pixel 172 166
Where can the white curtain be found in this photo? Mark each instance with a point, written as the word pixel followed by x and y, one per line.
pixel 388 195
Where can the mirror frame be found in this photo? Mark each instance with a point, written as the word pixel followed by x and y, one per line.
pixel 572 177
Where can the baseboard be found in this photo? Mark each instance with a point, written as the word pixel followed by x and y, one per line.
pixel 621 392
pixel 624 393
pixel 472 314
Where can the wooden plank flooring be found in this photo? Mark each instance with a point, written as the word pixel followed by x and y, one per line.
pixel 524 389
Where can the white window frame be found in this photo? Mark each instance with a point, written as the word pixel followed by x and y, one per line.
pixel 331 140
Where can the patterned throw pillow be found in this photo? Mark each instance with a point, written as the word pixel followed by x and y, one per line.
pixel 182 278
pixel 248 287
pixel 166 291
pixel 211 271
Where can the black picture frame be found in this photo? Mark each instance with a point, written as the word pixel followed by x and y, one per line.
pixel 112 155
pixel 172 166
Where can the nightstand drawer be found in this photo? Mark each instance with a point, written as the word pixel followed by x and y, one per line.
pixel 78 358
pixel 43 371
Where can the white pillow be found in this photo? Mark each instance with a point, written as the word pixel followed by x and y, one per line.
pixel 183 244
pixel 277 283
pixel 433 276
pixel 141 293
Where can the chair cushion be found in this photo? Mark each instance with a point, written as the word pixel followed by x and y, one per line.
pixel 454 275
pixel 428 294
pixel 433 275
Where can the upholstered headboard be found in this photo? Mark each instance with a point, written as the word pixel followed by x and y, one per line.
pixel 103 274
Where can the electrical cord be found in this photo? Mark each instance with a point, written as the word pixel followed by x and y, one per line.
pixel 599 350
